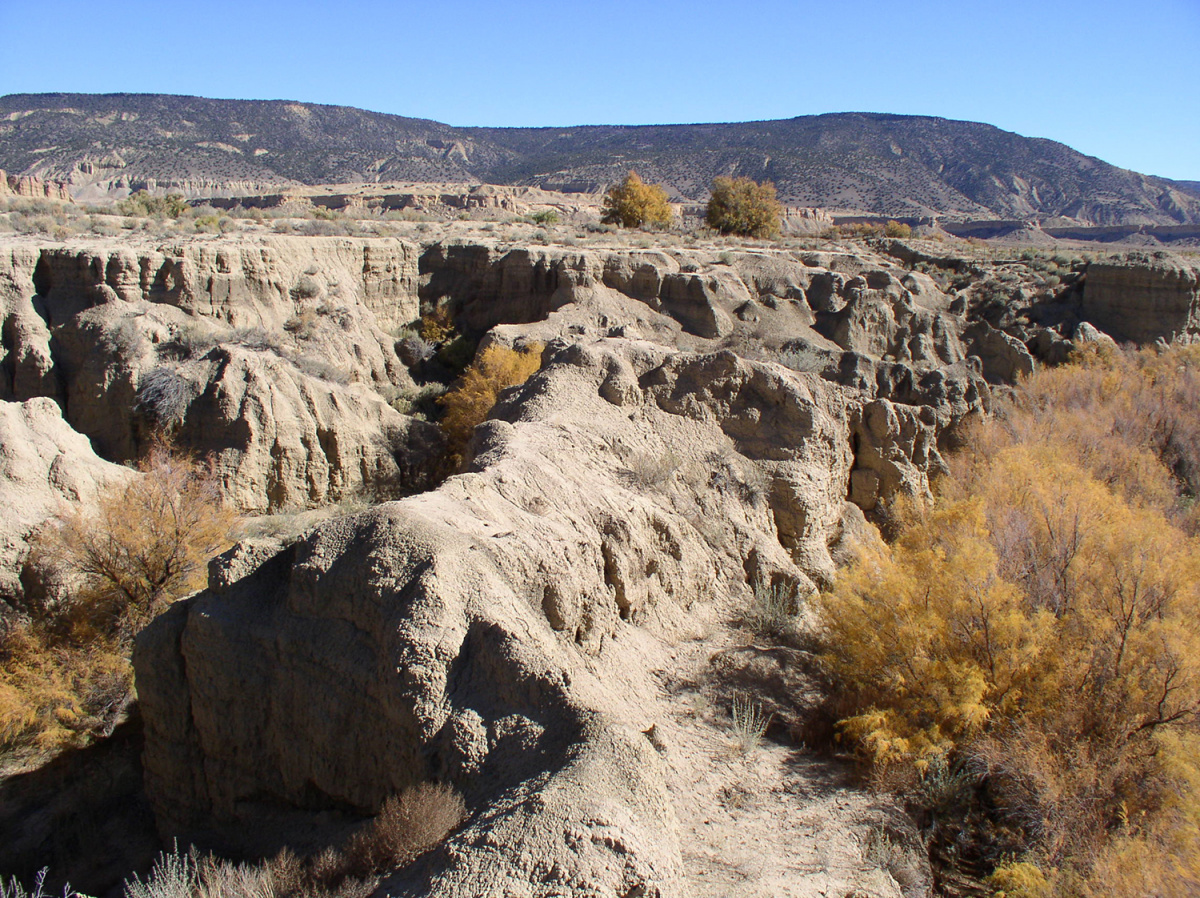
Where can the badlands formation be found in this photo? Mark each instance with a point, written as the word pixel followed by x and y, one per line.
pixel 552 627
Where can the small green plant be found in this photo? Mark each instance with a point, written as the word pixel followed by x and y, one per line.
pixel 749 721
pixel 806 359
pixel 419 402
pixel 143 204
pixel 545 217
pixel 773 610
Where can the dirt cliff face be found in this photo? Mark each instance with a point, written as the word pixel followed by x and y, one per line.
pixel 494 633
pixel 1144 298
pixel 34 188
pixel 277 351
pixel 274 350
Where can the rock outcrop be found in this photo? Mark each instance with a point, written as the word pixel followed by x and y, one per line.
pixel 270 353
pixel 35 188
pixel 269 356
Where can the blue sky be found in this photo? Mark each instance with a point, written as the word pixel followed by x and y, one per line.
pixel 1116 80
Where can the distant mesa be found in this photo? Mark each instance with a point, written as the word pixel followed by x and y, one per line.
pixel 890 166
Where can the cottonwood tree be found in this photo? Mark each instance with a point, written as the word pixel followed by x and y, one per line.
pixel 744 208
pixel 634 204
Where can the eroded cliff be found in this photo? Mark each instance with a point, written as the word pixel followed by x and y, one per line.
pixel 705 422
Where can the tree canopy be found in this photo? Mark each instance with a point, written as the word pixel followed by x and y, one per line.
pixel 633 204
pixel 744 207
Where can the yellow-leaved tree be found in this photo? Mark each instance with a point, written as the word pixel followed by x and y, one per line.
pixel 633 204
pixel 744 208
pixel 143 543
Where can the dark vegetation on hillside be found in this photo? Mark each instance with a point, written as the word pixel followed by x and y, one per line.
pixel 901 166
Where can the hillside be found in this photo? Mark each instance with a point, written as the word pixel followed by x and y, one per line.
pixel 903 166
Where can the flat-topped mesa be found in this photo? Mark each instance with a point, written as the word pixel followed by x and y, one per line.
pixel 35 188
pixel 1144 298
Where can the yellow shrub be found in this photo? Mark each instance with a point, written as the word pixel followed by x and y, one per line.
pixel 473 397
pixel 52 695
pixel 144 542
pixel 743 207
pixel 1040 621
pixel 1019 880
pixel 927 640
pixel 438 326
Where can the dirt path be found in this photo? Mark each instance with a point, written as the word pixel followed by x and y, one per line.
pixel 768 819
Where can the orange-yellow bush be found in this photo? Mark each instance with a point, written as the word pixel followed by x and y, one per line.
pixel 66 673
pixel 54 695
pixel 438 326
pixel 1039 623
pixel 144 543
pixel 743 207
pixel 475 394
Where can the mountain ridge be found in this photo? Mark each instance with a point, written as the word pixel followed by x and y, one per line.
pixel 883 163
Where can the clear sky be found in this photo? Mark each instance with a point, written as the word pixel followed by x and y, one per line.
pixel 1118 80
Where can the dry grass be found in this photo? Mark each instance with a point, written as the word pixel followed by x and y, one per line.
pixel 749 721
pixel 773 610
pixel 408 825
pixel 653 470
